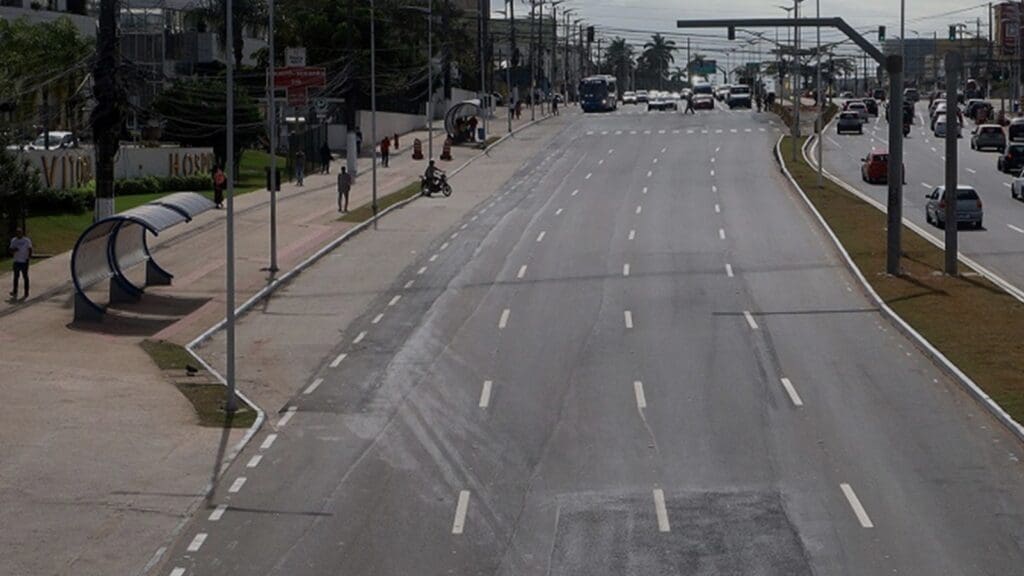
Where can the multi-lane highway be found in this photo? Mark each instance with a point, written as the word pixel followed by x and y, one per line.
pixel 641 356
pixel 998 246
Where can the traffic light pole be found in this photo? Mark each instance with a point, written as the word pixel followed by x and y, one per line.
pixel 894 65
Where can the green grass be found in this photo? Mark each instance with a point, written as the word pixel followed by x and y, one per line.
pixel 207 398
pixel 365 212
pixel 980 324
pixel 57 233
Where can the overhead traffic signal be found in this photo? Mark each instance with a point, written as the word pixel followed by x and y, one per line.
pixel 881 33
pixel 590 33
pixel 732 32
pixel 952 32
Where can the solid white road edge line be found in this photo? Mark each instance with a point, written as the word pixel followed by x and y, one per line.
pixel 661 511
pixel 750 320
pixel 485 394
pixel 793 396
pixel 858 509
pixel 460 512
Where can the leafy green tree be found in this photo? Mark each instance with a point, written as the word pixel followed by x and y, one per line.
pixel 19 181
pixel 33 57
pixel 193 112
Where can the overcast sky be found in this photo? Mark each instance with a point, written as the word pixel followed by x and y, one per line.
pixel 619 17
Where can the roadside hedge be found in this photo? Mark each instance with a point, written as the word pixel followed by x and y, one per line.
pixel 78 200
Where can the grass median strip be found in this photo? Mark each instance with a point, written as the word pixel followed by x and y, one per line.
pixel 971 321
pixel 365 212
pixel 198 386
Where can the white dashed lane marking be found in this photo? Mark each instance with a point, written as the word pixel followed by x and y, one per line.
pixel 395 300
pixel 639 209
pixel 540 237
pixel 254 461
pixel 268 441
pixel 638 391
pixel 750 320
pixel 359 337
pixel 197 542
pixel 503 321
pixel 721 233
pixel 660 511
pixel 485 394
pixel 312 387
pixel 728 270
pixel 236 486
pixel 460 512
pixel 625 269
pixel 218 512
pixel 338 360
pixel 377 318
pixel 287 416
pixel 791 390
pixel 628 316
pixel 632 234
pixel 858 508
pixel 522 271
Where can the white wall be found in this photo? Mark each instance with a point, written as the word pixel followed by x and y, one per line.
pixel 389 124
pixel 72 168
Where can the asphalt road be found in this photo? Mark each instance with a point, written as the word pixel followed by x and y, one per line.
pixel 999 246
pixel 640 356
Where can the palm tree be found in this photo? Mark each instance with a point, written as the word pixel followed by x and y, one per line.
pixel 658 55
pixel 619 56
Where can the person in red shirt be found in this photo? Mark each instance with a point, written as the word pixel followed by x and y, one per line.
pixel 385 149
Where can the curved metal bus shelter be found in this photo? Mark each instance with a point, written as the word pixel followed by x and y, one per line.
pixel 461 111
pixel 108 248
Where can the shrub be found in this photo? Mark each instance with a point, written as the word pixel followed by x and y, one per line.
pixel 73 200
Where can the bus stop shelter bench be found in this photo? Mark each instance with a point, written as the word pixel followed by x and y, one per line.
pixel 111 246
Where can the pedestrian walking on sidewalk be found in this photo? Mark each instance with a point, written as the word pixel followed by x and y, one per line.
pixel 385 151
pixel 344 187
pixel 21 249
pixel 220 182
pixel 300 166
pixel 325 158
pixel 554 106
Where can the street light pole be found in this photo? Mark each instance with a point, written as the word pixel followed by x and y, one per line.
pixel 231 405
pixel 430 79
pixel 820 102
pixel 373 103
pixel 272 127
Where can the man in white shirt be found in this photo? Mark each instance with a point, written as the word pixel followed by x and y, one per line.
pixel 21 249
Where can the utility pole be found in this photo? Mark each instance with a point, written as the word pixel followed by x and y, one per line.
pixel 952 127
pixel 798 78
pixel 533 50
pixel 107 115
pixel 430 79
pixel 820 102
pixel 373 104
pixel 483 67
pixel 514 55
pixel 688 61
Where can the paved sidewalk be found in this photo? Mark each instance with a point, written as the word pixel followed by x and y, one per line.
pixel 102 457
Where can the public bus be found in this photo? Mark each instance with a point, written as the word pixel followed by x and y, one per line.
pixel 599 94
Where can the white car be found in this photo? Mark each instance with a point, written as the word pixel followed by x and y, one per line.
pixel 59 140
pixel 860 108
pixel 629 97
pixel 939 127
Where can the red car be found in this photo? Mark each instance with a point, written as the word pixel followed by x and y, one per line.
pixel 874 168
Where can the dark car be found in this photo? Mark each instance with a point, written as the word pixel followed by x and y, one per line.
pixel 978 109
pixel 872 105
pixel 1015 132
pixel 911 95
pixel 1012 160
pixel 849 122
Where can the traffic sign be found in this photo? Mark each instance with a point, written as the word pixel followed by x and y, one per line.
pixel 298 80
pixel 295 57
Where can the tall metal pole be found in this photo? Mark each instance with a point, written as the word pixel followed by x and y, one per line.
pixel 534 29
pixel 894 204
pixel 231 405
pixel 953 64
pixel 797 77
pixel 430 79
pixel 819 125
pixel 373 103
pixel 272 127
pixel 483 66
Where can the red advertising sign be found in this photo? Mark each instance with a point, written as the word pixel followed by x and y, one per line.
pixel 1008 15
pixel 298 80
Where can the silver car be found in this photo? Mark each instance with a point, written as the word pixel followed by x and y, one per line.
pixel 988 136
pixel 968 207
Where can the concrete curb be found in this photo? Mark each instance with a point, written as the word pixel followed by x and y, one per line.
pixel 933 353
pixel 267 291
